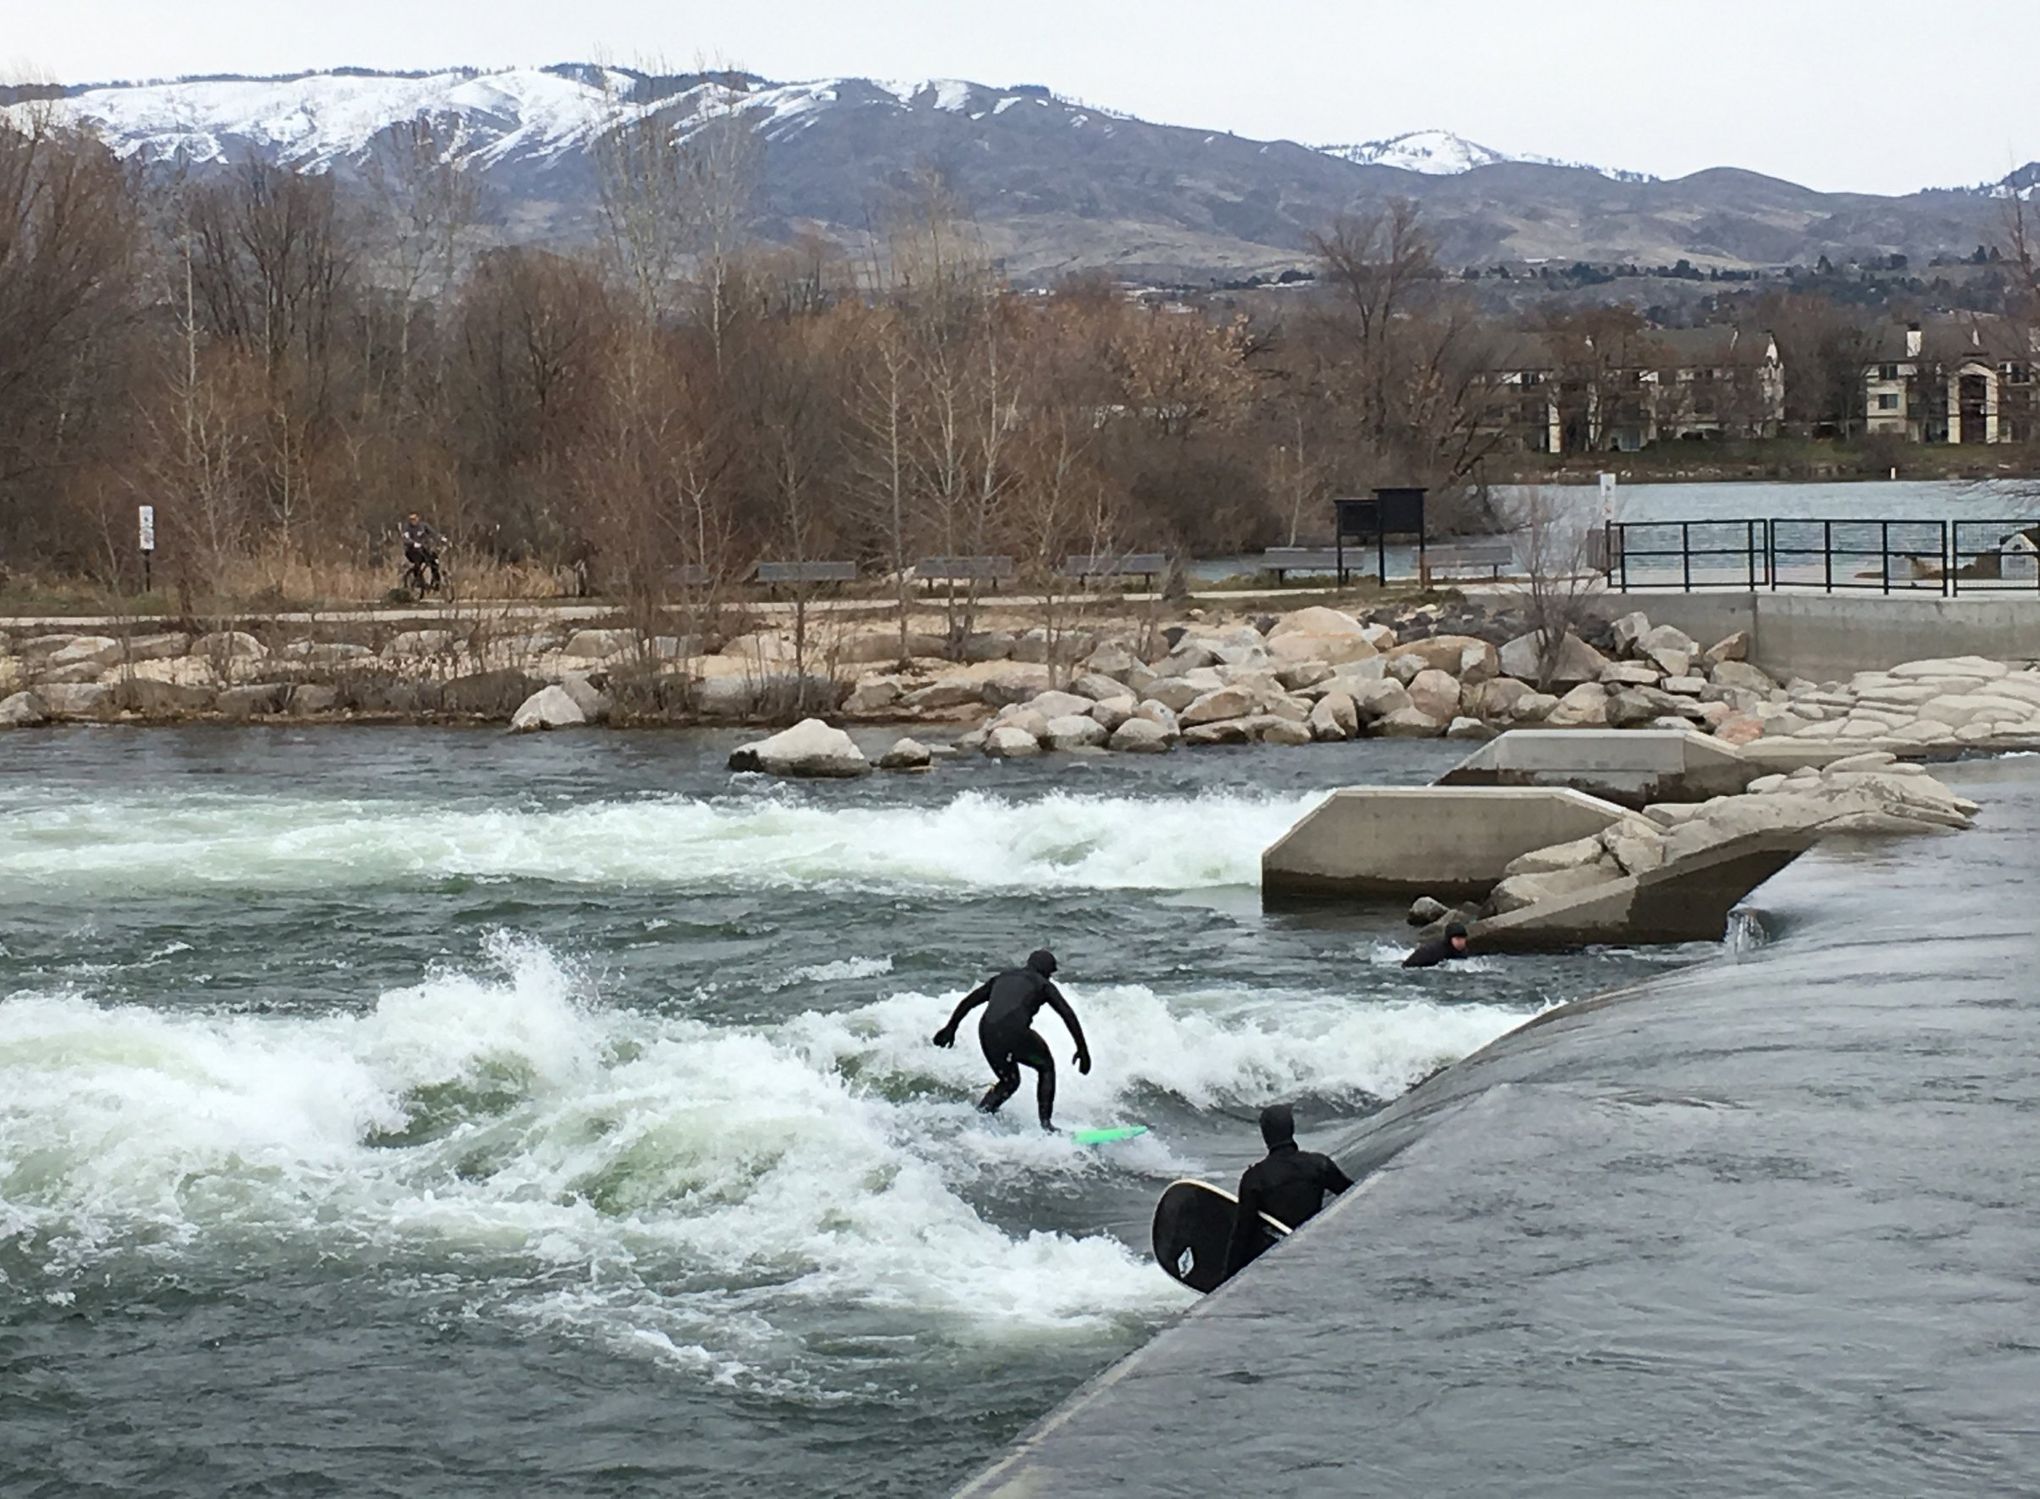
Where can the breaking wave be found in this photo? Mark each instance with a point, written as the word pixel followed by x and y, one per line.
pixel 126 844
pixel 680 1191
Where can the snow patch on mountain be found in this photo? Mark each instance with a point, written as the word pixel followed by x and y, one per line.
pixel 1436 153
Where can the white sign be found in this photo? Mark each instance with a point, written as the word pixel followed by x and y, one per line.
pixel 147 516
pixel 1607 494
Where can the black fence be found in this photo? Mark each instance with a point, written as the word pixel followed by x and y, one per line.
pixel 1943 558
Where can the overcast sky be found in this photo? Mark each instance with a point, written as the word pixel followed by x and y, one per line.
pixel 1864 95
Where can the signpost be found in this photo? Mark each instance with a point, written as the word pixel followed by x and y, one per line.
pixel 145 516
pixel 1399 509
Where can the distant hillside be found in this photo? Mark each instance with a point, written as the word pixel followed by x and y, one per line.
pixel 1054 184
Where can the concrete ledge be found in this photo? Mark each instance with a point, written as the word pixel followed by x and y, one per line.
pixel 1632 767
pixel 1829 636
pixel 1688 901
pixel 1405 841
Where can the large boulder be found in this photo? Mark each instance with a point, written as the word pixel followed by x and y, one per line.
pixel 1113 711
pixel 255 700
pixel 310 698
pixel 942 693
pixel 1743 675
pixel 1496 699
pixel 1734 647
pixel 1074 731
pixel 1112 659
pixel 1283 731
pixel 1174 693
pixel 1013 682
pixel 874 695
pixel 1319 634
pixel 1008 743
pixel 1334 718
pixel 22 711
pixel 1097 686
pixel 1376 700
pixel 1140 736
pixel 1518 891
pixel 75 699
pixel 988 645
pixel 907 754
pixel 94 652
pixel 1533 707
pixel 1585 707
pixel 1409 723
pixel 591 700
pixel 1316 620
pixel 809 748
pixel 1626 631
pixel 1303 674
pixel 1629 708
pixel 1436 694
pixel 150 696
pixel 1162 716
pixel 168 645
pixel 229 645
pixel 599 645
pixel 1577 661
pixel 1054 704
pixel 1213 707
pixel 547 708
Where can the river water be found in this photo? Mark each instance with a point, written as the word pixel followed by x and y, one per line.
pixel 419 1111
pixel 1763 1225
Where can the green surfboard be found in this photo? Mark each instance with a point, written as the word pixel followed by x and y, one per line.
pixel 1107 1136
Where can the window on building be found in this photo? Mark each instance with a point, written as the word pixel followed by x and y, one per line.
pixel 1887 403
pixel 1887 372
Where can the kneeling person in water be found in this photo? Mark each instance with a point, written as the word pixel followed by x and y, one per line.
pixel 1439 949
pixel 1289 1186
pixel 1007 1032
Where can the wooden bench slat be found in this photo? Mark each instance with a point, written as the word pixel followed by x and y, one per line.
pixel 1106 565
pixel 805 572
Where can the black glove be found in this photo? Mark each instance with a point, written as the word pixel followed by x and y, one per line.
pixel 945 1037
pixel 1084 1062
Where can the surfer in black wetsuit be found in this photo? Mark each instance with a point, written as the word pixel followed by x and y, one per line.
pixel 1007 1032
pixel 1439 949
pixel 1289 1186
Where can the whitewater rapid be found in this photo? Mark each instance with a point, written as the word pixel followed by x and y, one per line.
pixel 672 1188
pixel 763 837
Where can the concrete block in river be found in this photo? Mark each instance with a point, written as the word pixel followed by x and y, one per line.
pixel 1633 767
pixel 1405 841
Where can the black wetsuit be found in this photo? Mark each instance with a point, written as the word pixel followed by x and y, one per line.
pixel 1006 1031
pixel 1431 954
pixel 1289 1186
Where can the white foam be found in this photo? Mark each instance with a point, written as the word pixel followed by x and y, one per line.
pixel 631 1169
pixel 770 839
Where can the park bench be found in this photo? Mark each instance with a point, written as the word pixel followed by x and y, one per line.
pixel 775 574
pixel 1284 560
pixel 1143 565
pixel 964 569
pixel 1492 555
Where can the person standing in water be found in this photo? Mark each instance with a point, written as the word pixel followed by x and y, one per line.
pixel 1439 949
pixel 1006 1032
pixel 1289 1185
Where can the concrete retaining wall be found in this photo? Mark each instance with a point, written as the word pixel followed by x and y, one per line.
pixel 1825 637
pixel 1405 841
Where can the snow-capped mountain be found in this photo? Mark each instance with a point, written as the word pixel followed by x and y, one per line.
pixel 320 121
pixel 1054 184
pixel 1436 153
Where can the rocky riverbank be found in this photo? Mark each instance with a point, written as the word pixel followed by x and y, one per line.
pixel 1134 683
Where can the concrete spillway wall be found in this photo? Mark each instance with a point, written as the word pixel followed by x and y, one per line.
pixel 1405 841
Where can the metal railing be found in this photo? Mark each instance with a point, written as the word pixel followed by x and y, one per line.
pixel 1944 558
